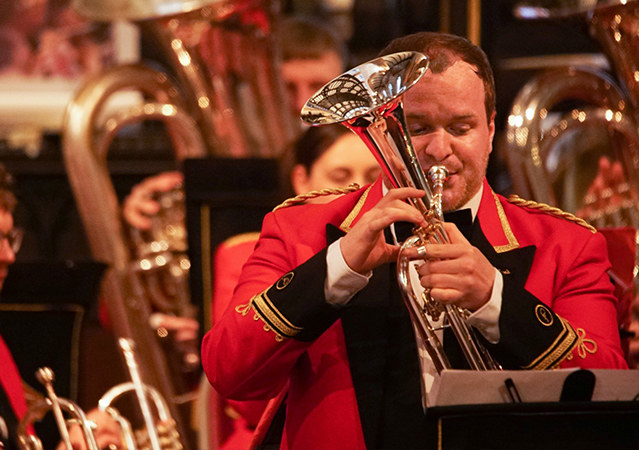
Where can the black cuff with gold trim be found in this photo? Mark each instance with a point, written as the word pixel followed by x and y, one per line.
pixel 295 305
pixel 532 336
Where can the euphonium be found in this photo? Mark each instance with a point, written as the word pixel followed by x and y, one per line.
pixel 549 148
pixel 368 101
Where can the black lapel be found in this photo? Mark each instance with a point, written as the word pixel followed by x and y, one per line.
pixel 333 233
pixel 516 262
pixel 366 346
pixel 364 322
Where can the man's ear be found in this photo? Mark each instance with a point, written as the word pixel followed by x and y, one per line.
pixel 491 130
pixel 299 179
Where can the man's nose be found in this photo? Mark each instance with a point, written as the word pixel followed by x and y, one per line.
pixel 7 255
pixel 438 146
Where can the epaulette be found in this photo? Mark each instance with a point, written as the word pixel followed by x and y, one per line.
pixel 301 198
pixel 241 238
pixel 516 200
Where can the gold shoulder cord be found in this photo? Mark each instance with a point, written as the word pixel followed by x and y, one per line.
pixel 516 200
pixel 314 194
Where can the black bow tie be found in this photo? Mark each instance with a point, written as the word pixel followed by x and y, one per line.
pixel 463 218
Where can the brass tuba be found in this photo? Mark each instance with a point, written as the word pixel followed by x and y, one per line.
pixel 368 101
pixel 213 105
pixel 548 146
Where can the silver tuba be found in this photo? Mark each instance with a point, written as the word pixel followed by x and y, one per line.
pixel 368 101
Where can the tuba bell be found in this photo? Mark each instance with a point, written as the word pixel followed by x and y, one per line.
pixel 368 101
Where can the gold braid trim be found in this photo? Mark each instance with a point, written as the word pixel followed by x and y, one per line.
pixel 314 194
pixel 516 200
pixel 346 224
pixel 584 345
pixel 558 351
pixel 273 320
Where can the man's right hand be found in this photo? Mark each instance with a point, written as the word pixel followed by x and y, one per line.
pixel 107 432
pixel 364 247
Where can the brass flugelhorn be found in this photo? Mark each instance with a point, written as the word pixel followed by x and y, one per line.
pixel 368 101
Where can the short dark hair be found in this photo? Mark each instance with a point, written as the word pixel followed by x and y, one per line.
pixel 7 197
pixel 305 38
pixel 443 50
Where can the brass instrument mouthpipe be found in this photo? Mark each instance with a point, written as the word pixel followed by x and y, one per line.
pixel 58 406
pixel 45 376
pixel 127 350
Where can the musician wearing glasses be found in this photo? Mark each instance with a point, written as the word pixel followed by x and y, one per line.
pixel 13 404
pixel 317 318
pixel 12 401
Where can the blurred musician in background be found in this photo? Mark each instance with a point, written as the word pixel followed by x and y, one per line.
pixel 12 401
pixel 13 404
pixel 311 56
pixel 46 38
pixel 325 159
pixel 611 206
pixel 319 316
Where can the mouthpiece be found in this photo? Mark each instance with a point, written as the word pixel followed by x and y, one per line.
pixel 438 174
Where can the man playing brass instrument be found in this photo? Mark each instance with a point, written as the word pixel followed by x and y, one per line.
pixel 317 312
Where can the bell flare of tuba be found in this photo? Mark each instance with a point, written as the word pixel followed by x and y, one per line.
pixel 368 100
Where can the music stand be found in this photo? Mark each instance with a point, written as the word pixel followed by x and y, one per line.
pixel 42 315
pixel 224 197
pixel 554 414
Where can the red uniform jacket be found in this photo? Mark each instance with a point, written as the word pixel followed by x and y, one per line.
pixel 558 309
pixel 11 384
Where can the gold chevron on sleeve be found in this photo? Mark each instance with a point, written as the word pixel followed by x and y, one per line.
pixel 273 319
pixel 559 350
